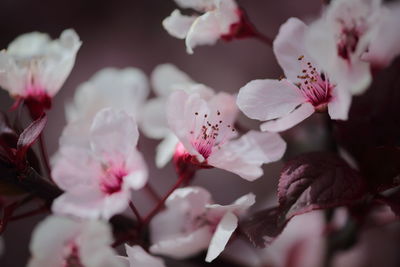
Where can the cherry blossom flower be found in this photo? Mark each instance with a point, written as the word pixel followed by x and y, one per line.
pixel 307 88
pixel 123 89
pixel 97 179
pixel 191 223
pixel 138 257
pixel 217 21
pixel 165 79
pixel 34 67
pixel 61 241
pixel 206 134
pixel 338 40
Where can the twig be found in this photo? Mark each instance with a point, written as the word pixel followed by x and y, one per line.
pixel 136 212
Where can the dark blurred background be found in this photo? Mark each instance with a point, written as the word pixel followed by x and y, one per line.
pixel 124 33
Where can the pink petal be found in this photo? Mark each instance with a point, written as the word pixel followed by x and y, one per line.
pixel 177 24
pixel 138 257
pixel 154 120
pixel 165 150
pixel 339 106
pixel 137 171
pixel 268 99
pixel 165 76
pixel 239 207
pixel 246 155
pixel 221 236
pixel 290 120
pixel 289 46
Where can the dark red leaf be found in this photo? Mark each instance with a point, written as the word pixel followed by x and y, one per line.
pixel 309 182
pixel 318 181
pixel 30 135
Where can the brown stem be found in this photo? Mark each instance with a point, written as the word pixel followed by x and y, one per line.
pixel 136 212
pixel 152 193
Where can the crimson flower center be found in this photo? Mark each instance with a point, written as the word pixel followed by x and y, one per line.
pixel 71 258
pixel 314 85
pixel 112 180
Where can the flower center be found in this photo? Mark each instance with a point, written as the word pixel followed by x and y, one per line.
pixel 71 258
pixel 212 133
pixel 347 42
pixel 314 85
pixel 112 180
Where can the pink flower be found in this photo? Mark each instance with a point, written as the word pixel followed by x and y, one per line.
pixel 307 88
pixel 218 18
pixel 339 39
pixel 60 241
pixel 98 178
pixel 165 79
pixel 34 68
pixel 206 134
pixel 138 257
pixel 191 223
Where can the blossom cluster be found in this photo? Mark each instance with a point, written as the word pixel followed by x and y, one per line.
pixel 99 165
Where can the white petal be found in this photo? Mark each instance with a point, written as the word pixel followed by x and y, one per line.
pixel 165 76
pixel 246 155
pixel 124 89
pixel 268 99
pixel 12 77
pixel 239 207
pixel 113 133
pixel 289 47
pixel 178 25
pixel 221 236
pixel 29 44
pixel 154 120
pixel 183 246
pixel 339 105
pixel 137 170
pixel 165 150
pixel 138 257
pixel 290 120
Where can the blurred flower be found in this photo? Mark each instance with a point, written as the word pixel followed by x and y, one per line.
pixel 218 18
pixel 123 89
pixel 98 178
pixel 340 37
pixel 61 241
pixel 165 79
pixel 205 131
pixel 34 67
pixel 138 257
pixel 307 89
pixel 192 223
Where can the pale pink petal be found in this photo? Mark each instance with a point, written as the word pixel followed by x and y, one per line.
pixel 246 155
pixel 209 27
pixel 221 236
pixel 239 207
pixel 12 78
pixel 113 133
pixel 223 108
pixel 289 47
pixel 137 171
pixel 184 245
pixel 269 99
pixel 340 103
pixel 384 46
pixel 76 134
pixel 178 25
pixel 165 150
pixel 123 89
pixel 138 257
pixel 165 76
pixel 298 115
pixel 154 120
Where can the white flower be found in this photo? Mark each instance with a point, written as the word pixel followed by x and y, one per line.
pixel 206 134
pixel 34 67
pixel 218 18
pixel 138 257
pixel 60 241
pixel 191 223
pixel 165 79
pixel 98 178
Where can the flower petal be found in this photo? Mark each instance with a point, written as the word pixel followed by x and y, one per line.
pixel 138 257
pixel 154 120
pixel 296 116
pixel 340 103
pixel 245 155
pixel 268 99
pixel 165 150
pixel 239 207
pixel 199 5
pixel 178 25
pixel 221 236
pixel 165 76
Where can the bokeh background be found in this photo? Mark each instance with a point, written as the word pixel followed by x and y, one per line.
pixel 124 33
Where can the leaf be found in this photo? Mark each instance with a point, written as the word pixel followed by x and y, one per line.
pixel 318 181
pixel 372 132
pixel 30 135
pixel 309 182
